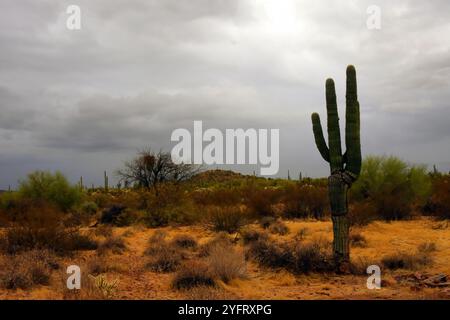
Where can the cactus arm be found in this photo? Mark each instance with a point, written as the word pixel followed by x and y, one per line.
pixel 352 129
pixel 334 134
pixel 318 137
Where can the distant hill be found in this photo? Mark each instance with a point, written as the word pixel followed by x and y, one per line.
pixel 217 176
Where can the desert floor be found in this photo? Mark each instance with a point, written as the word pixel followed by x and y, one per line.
pixel 135 282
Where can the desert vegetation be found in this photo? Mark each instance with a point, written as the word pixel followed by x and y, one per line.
pixel 217 233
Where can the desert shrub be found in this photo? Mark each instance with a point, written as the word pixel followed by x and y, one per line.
pixel 250 235
pixel 193 274
pixel 279 227
pixel 89 208
pixel 52 188
pixel 229 219
pixel 311 257
pixel 163 255
pixel 294 257
pixel 42 228
pixel 157 237
pixel 226 263
pixel 426 247
pixel 184 241
pixel 112 244
pixel 265 222
pixel 392 186
pixel 439 202
pixel 403 260
pixel 99 264
pixel 94 288
pixel 27 269
pixel 270 254
pixel 362 213
pixel 357 239
pixel 260 202
pixel 217 197
pixel 305 201
pixel 301 234
pixel 221 239
pixel 103 231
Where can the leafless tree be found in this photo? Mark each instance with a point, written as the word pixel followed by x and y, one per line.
pixel 148 169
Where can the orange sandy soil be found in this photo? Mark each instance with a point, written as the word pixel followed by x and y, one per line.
pixel 135 282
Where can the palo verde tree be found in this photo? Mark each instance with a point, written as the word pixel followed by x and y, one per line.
pixel 345 167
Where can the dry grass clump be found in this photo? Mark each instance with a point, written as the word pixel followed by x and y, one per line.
pixel 112 244
pixel 103 230
pixel 27 269
pixel 164 256
pixel 99 264
pixel 249 235
pixel 193 274
pixel 427 247
pixel 184 241
pixel 226 263
pixel 279 227
pixel 292 256
pixel 357 240
pixel 402 260
pixel 228 218
pixel 221 238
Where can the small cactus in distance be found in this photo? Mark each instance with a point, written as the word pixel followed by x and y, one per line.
pixel 106 181
pixel 344 167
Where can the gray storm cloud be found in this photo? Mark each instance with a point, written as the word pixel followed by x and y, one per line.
pixel 84 101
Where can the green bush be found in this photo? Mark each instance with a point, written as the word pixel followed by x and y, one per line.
pixel 392 186
pixel 52 188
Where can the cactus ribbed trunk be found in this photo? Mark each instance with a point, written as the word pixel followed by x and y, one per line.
pixel 344 168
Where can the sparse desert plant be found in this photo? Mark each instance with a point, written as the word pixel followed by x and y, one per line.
pixel 226 263
pixel 305 201
pixel 427 247
pixel 392 186
pixel 229 219
pixel 221 239
pixel 193 274
pixel 362 213
pixel 270 254
pixel 51 188
pixel 112 244
pixel 27 269
pixel 439 202
pixel 312 257
pixel 357 239
pixel 260 202
pixel 208 293
pixel 103 231
pixel 184 241
pixel 89 207
pixel 292 256
pixel 41 227
pixel 279 227
pixel 265 222
pixel 402 260
pixel 250 234
pixel 344 167
pixel 163 256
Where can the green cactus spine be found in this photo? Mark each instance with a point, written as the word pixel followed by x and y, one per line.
pixel 345 168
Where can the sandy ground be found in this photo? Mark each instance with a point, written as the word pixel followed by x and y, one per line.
pixel 135 282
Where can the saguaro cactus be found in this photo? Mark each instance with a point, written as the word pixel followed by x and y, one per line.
pixel 106 181
pixel 345 168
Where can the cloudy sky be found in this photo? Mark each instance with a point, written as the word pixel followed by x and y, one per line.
pixel 84 101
